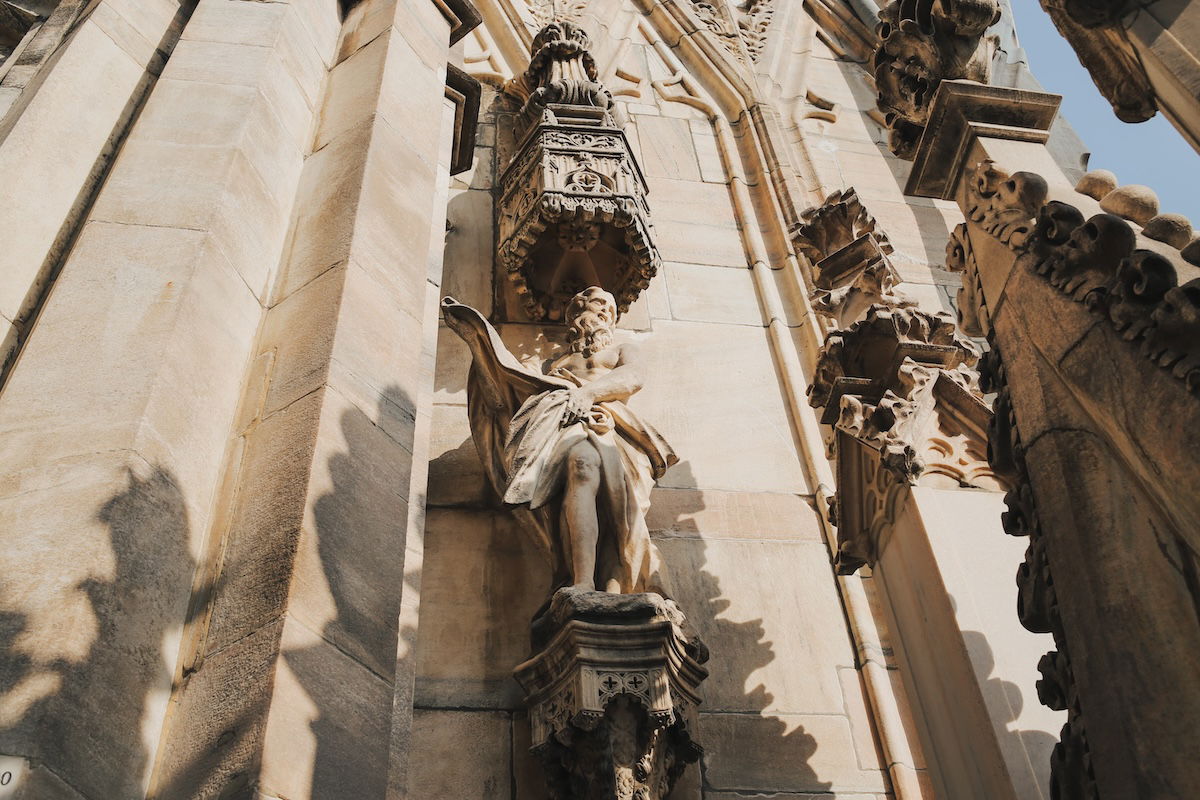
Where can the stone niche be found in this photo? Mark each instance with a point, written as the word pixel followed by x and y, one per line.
pixel 572 208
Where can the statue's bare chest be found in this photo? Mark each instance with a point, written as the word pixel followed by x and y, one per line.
pixel 588 368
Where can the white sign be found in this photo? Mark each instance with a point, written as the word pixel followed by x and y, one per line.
pixel 12 770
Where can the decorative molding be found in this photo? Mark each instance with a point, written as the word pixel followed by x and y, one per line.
pixel 1102 261
pixel 920 44
pixel 612 695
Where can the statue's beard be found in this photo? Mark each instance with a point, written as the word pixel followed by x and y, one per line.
pixel 590 333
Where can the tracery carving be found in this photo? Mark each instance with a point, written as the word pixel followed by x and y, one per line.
pixel 849 254
pixel 1100 261
pixel 572 208
pixel 920 44
pixel 900 391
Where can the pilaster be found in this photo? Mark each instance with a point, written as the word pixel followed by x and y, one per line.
pixel 1089 305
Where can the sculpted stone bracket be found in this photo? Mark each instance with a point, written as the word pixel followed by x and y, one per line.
pixel 900 391
pixel 849 256
pixel 612 695
pixel 572 204
pixel 921 44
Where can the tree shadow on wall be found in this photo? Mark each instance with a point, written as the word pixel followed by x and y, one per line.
pixel 83 717
pixel 346 678
pixel 746 748
pixel 1036 745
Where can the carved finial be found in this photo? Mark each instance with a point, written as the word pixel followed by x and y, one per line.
pixel 921 44
pixel 561 70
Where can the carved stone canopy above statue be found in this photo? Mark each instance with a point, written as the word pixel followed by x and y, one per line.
pixel 921 44
pixel 572 209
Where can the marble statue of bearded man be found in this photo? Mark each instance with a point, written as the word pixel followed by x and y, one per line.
pixel 564 450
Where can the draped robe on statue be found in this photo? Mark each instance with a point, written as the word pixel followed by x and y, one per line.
pixel 517 421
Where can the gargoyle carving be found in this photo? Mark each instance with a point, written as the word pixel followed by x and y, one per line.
pixel 921 44
pixel 1103 261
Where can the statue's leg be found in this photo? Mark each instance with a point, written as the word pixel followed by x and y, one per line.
pixel 583 482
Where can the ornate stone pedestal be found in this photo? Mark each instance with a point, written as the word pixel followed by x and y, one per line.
pixel 612 695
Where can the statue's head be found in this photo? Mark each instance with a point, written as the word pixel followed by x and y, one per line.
pixel 591 315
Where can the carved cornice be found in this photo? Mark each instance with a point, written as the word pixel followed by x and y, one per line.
pixel 1071 774
pixel 920 44
pixel 1103 261
pixel 900 391
pixel 573 213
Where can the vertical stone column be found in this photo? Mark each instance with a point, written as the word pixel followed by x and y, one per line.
pixel 114 422
pixel 917 502
pixel 66 105
pixel 299 676
pixel 1090 306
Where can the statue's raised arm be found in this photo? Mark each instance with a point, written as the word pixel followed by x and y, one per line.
pixel 564 450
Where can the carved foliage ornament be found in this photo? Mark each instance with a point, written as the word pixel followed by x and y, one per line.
pixel 900 390
pixel 921 44
pixel 561 70
pixel 1098 262
pixel 849 253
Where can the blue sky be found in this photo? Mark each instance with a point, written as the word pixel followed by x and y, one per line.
pixel 1151 152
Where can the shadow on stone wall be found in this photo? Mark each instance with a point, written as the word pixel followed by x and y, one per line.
pixel 83 717
pixel 740 738
pixel 1035 744
pixel 360 527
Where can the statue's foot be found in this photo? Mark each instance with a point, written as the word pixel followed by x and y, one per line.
pixel 583 586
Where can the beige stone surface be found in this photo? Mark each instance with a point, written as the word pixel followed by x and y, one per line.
pixel 327 730
pixel 667 150
pixel 785 753
pixel 694 223
pixel 700 293
pixel 486 774
pixel 472 638
pixel 96 73
pixel 714 514
pixel 455 473
pixel 726 437
pixel 776 640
